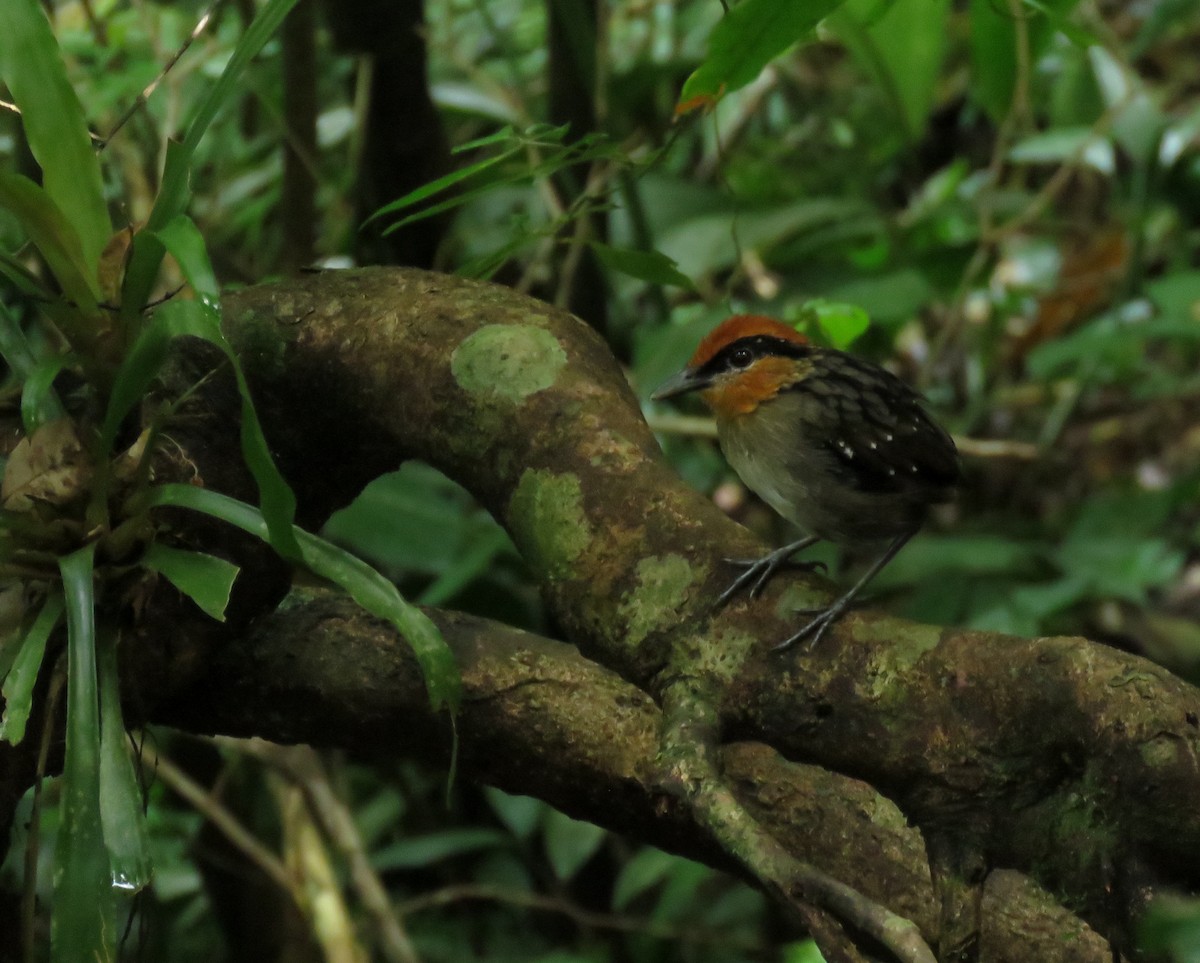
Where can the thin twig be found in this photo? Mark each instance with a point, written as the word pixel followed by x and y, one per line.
pixel 577 914
pixel 303 767
pixel 144 96
pixel 228 825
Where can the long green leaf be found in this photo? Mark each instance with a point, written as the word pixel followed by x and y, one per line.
pixel 122 819
pixel 39 402
pixel 201 319
pixel 173 195
pixel 749 37
pixel 82 921
pixel 33 70
pixel 361 582
pixel 14 346
pixel 442 183
pixel 19 683
pixel 205 579
pixel 55 236
pixel 275 495
pixel 186 244
pixel 652 266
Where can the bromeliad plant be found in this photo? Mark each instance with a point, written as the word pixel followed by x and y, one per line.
pixel 76 508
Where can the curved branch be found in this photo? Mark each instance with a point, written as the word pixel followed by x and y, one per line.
pixel 1029 742
pixel 540 719
pixel 1054 756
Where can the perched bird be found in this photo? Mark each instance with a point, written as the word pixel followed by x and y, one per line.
pixel 836 445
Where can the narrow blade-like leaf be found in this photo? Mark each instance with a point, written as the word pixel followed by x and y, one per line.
pixel 122 818
pixel 275 495
pixel 361 582
pixel 55 236
pixel 33 70
pixel 19 683
pixel 172 200
pixel 82 923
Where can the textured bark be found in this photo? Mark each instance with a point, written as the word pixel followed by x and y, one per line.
pixel 1016 799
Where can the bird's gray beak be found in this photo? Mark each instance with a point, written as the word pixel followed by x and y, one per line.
pixel 687 380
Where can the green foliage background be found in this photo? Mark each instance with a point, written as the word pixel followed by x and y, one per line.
pixel 1006 191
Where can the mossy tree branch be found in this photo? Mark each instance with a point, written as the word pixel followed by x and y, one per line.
pixel 1022 766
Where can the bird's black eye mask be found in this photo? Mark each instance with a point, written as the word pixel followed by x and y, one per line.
pixel 743 352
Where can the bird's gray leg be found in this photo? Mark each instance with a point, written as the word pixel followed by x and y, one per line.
pixel 760 570
pixel 831 613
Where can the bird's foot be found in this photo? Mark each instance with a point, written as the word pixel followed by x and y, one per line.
pixel 815 628
pixel 758 571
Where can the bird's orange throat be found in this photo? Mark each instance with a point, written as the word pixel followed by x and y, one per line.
pixel 739 395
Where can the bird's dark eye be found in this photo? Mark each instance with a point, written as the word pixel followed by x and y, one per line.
pixel 740 357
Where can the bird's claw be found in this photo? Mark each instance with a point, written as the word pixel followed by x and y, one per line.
pixel 791 563
pixel 813 630
pixel 758 571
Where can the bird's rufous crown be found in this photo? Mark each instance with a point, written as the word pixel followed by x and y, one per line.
pixel 742 326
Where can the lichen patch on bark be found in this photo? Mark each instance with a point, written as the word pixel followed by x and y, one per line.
pixel 547 520
pixel 659 596
pixel 511 361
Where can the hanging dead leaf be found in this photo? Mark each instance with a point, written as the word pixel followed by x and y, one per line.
pixel 48 466
pixel 112 264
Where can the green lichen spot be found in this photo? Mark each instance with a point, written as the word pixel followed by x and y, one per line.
pixel 661 590
pixel 721 655
pixel 511 361
pixel 547 519
pixel 900 647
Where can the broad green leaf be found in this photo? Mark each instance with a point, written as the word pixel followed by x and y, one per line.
pixel 172 200
pixel 842 323
pixel 805 951
pixel 33 70
pixel 420 851
pixel 361 582
pixel 520 814
pixel 55 237
pixel 747 38
pixel 1138 122
pixel 901 45
pixel 122 818
pixel 647 867
pixel 680 894
pixel 715 240
pixel 82 920
pixel 994 46
pixel 569 843
pixel 652 266
pixel 21 678
pixel 205 579
pixel 276 497
pixel 467 567
pixel 1171 927
pixel 1064 144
